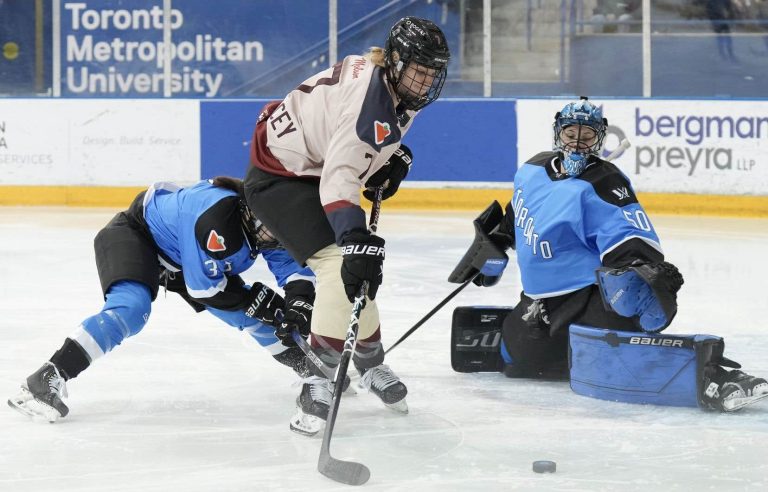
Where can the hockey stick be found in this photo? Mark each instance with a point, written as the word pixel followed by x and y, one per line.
pixel 431 313
pixel 348 472
pixel 321 366
pixel 623 145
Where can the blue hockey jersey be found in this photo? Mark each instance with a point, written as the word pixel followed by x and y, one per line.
pixel 198 231
pixel 564 226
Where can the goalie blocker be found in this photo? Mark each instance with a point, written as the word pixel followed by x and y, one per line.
pixel 632 367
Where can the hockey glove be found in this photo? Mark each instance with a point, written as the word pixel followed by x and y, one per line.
pixel 299 298
pixel 390 175
pixel 265 304
pixel 363 260
pixel 485 257
pixel 645 291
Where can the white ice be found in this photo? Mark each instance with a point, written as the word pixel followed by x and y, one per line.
pixel 190 404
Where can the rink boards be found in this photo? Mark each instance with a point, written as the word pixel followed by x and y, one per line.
pixel 687 156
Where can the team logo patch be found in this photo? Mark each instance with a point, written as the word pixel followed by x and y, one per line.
pixel 215 242
pixel 382 131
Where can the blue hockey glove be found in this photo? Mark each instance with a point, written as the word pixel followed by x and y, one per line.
pixel 647 291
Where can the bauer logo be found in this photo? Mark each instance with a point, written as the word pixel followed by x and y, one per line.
pixel 659 342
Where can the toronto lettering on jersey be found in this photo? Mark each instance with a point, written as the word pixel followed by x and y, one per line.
pixel 526 223
pixel 130 58
pixel 696 155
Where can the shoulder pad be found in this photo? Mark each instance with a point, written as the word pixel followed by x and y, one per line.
pixel 542 158
pixel 609 183
pixel 377 123
pixel 218 230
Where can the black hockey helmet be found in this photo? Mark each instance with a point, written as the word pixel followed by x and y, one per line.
pixel 421 42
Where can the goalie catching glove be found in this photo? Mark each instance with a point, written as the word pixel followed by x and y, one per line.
pixel 486 259
pixel 265 304
pixel 299 300
pixel 390 175
pixel 644 291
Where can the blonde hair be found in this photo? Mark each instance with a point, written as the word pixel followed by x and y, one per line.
pixel 376 56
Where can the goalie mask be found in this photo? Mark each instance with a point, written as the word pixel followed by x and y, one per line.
pixel 579 132
pixel 416 63
pixel 256 233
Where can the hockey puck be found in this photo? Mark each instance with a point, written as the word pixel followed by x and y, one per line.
pixel 544 466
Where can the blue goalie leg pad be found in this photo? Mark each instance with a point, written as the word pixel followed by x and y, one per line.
pixel 124 314
pixel 636 367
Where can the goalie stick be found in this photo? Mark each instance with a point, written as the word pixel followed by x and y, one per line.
pixel 431 313
pixel 348 472
pixel 623 145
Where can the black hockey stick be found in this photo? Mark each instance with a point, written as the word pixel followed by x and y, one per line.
pixel 348 472
pixel 431 313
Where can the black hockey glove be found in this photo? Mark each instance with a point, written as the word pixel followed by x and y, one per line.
pixel 299 298
pixel 485 259
pixel 390 175
pixel 363 259
pixel 265 304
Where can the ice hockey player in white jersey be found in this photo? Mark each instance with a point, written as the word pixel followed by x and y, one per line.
pixel 312 153
pixel 194 241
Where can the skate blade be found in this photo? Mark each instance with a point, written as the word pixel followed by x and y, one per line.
pixel 738 403
pixel 400 406
pixel 27 405
pixel 306 425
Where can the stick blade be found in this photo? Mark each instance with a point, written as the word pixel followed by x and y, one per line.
pixel 347 472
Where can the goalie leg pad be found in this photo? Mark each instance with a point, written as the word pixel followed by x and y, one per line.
pixel 640 367
pixel 476 338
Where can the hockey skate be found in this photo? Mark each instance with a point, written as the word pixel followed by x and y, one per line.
pixel 385 384
pixel 728 391
pixel 312 406
pixel 40 396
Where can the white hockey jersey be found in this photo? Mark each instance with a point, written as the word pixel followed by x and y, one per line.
pixel 340 126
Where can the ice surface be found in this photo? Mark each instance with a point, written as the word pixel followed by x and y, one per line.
pixel 191 404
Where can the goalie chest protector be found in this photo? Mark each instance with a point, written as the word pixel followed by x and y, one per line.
pixel 476 338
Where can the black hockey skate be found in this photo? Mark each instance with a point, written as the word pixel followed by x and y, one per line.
pixel 728 391
pixel 386 385
pixel 40 396
pixel 312 406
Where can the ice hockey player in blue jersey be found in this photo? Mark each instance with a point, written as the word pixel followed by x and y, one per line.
pixel 589 255
pixel 194 241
